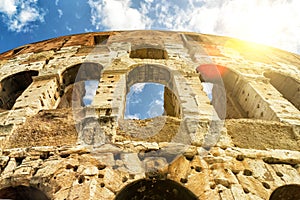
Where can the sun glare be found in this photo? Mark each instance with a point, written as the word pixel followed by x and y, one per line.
pixel 258 21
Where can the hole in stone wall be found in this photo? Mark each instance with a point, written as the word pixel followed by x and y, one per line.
pixel 279 174
pixel 150 94
pixel 22 193
pixel 183 180
pixel 148 51
pixel 79 85
pixel 81 179
pixel 155 189
pixel 100 39
pixel 198 169
pixel 100 176
pixel 13 86
pixel 101 166
pixel 17 50
pixel 287 86
pixel 64 155
pixel 221 83
pixel 246 190
pixel 286 192
pixel 19 160
pixel 247 172
pixel 150 125
pixel 240 157
pixel 124 179
pixel 69 166
pixel 266 185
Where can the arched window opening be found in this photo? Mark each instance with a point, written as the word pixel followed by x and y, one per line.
pixel 13 86
pixel 160 128
pixel 79 84
pixel 287 86
pixel 22 193
pixel 145 100
pixel 286 192
pixel 156 85
pixel 155 189
pixel 223 87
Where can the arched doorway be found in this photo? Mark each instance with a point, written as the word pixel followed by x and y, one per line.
pixel 155 190
pixel 286 192
pixel 22 193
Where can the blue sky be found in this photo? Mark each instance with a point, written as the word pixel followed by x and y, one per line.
pixel 146 101
pixel 271 22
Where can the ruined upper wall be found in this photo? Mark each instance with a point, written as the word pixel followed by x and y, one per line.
pixel 248 78
pixel 239 142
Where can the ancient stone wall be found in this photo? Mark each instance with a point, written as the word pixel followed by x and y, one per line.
pixel 241 141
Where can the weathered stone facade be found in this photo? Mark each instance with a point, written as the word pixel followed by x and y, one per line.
pixel 243 143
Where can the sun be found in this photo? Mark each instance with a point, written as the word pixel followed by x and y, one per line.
pixel 261 22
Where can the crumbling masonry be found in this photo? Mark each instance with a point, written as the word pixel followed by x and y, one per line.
pixel 242 141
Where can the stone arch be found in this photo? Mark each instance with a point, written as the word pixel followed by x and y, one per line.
pixel 286 192
pixel 224 78
pixel 155 189
pixel 13 86
pixel 22 192
pixel 288 86
pixel 157 74
pixel 73 83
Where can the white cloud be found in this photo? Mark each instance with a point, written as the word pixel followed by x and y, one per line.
pixel 77 16
pixel 135 116
pixel 138 87
pixel 56 2
pixel 69 28
pixel 20 15
pixel 161 94
pixel 116 15
pixel 270 22
pixel 8 7
pixel 60 13
pixel 156 108
pixel 88 30
pixel 207 88
pixel 132 98
pixel 90 91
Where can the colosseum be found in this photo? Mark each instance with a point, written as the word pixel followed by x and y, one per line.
pixel 238 141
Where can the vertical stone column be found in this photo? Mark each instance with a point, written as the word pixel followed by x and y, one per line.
pixel 110 95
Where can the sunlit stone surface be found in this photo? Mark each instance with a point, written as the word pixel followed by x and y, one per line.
pixel 230 126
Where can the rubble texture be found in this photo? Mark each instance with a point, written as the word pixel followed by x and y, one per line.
pixel 242 142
